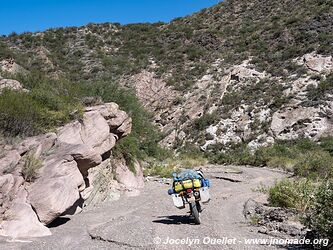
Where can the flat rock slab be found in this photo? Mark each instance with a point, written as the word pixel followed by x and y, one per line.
pixel 132 236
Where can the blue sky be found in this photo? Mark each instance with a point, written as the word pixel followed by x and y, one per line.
pixel 37 15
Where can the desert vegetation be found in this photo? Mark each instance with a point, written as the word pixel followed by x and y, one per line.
pixel 32 164
pixel 309 190
pixel 51 103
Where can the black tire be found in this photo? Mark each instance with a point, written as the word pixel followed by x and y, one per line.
pixel 195 213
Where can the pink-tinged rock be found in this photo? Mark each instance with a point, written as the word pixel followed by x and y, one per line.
pixel 118 119
pixel 52 197
pixel 318 63
pixel 86 157
pixel 107 110
pixel 70 133
pixel 66 169
pixel 97 124
pixel 39 144
pixel 56 190
pixel 132 192
pixel 102 109
pixel 11 190
pixel 125 128
pixel 127 177
pixel 10 66
pixel 22 222
pixel 107 145
pixel 95 129
pixel 7 183
pixel 9 161
pixel 67 156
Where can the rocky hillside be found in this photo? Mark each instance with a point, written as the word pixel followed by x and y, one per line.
pixel 238 73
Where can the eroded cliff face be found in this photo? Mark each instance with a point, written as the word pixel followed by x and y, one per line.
pixel 241 104
pixel 58 173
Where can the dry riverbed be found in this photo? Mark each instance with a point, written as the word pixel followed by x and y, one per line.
pixel 150 221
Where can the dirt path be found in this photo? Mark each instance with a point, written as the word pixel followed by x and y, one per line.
pixel 141 222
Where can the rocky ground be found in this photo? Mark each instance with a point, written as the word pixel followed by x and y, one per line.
pixel 142 221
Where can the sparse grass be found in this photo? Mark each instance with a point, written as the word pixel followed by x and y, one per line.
pixel 31 166
pixel 175 163
pixel 254 220
pixel 204 121
pixel 187 161
pixel 304 157
pixel 5 52
pixel 315 164
pixel 161 170
pixel 281 162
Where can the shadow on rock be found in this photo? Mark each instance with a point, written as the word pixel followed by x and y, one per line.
pixel 58 222
pixel 174 219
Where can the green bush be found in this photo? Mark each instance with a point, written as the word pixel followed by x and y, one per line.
pixel 327 145
pixel 51 103
pixel 320 218
pixel 144 138
pixel 281 162
pixel 240 155
pixel 312 200
pixel 27 114
pixel 317 95
pixel 315 164
pixel 204 121
pixel 296 194
pixel 5 52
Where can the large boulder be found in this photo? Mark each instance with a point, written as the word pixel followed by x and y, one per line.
pixel 131 178
pixel 61 180
pixel 85 156
pixel 70 133
pixel 18 217
pixel 22 222
pixel 10 186
pixel 52 195
pixel 100 127
pixel 61 183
